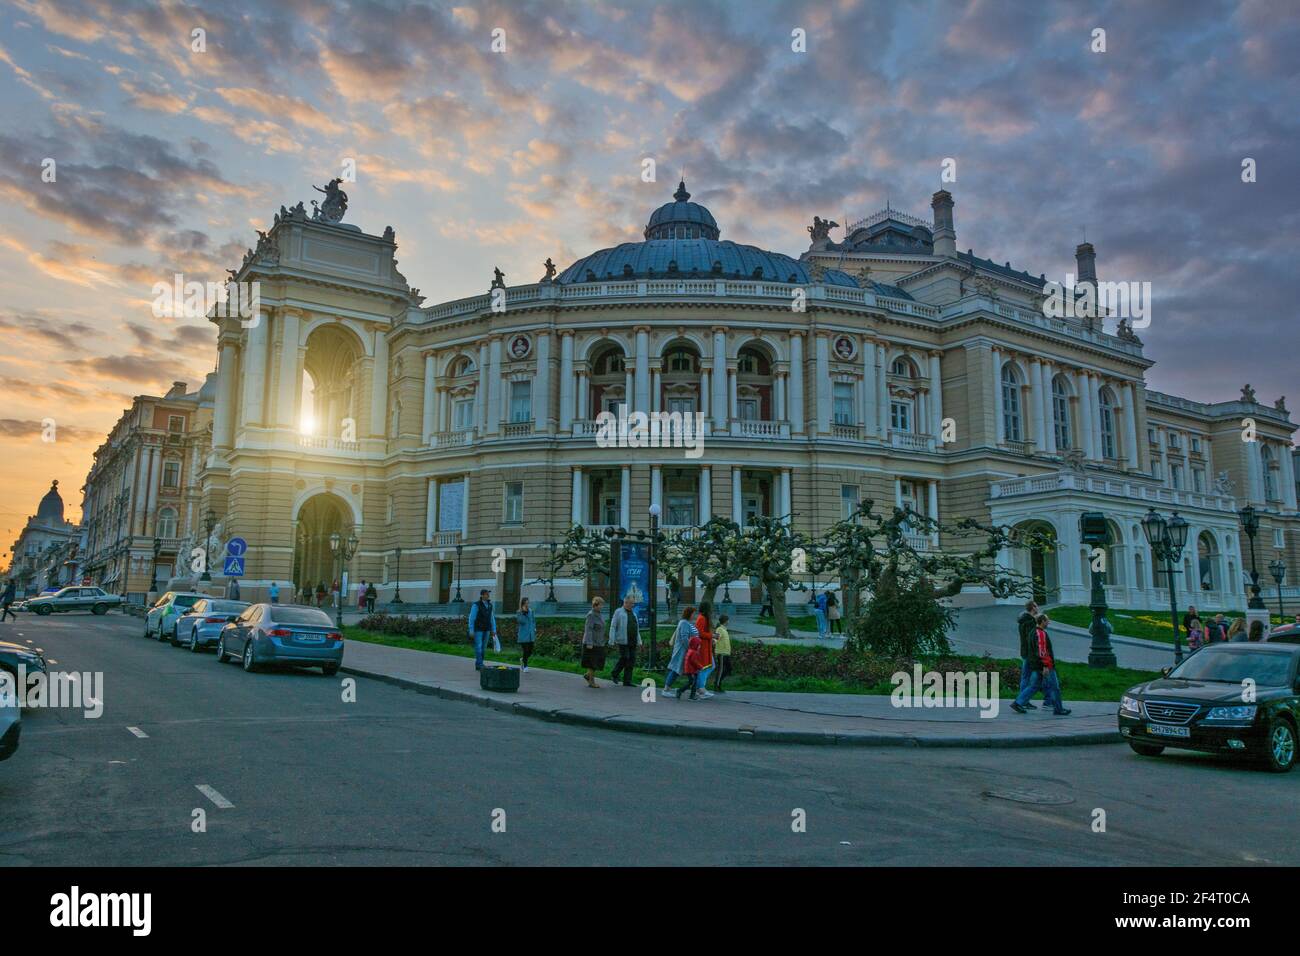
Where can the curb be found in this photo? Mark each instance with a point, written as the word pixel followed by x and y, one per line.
pixel 744 734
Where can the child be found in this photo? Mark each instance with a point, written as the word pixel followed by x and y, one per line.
pixel 722 651
pixel 1195 635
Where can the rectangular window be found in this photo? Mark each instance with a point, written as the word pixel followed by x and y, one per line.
pixel 1176 476
pixel 1198 480
pixel 684 406
pixel 747 409
pixel 900 416
pixel 171 476
pixel 681 510
pixel 1151 436
pixel 451 506
pixel 609 510
pixel 462 415
pixel 1196 445
pixel 514 508
pixel 521 401
pixel 843 404
pixel 848 500
pixel 175 424
pixel 1157 470
pixel 1279 539
pixel 1175 440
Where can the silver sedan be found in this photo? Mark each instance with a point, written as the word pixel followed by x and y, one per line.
pixel 200 626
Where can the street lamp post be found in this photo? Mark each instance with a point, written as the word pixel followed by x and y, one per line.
pixel 654 585
pixel 343 550
pixel 209 522
pixel 397 596
pixel 153 568
pixel 1278 570
pixel 1250 525
pixel 458 599
pixel 550 584
pixel 1167 539
pixel 1094 531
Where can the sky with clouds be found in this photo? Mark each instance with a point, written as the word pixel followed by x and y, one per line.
pixel 168 159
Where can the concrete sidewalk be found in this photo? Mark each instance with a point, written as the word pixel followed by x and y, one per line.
pixel 844 719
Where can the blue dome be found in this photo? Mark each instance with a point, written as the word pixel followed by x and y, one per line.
pixel 682 219
pixel 664 258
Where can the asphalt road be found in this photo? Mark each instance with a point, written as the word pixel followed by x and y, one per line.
pixel 403 778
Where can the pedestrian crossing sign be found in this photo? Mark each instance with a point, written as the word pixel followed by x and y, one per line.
pixel 234 566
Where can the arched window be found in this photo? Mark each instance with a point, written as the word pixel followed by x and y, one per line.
pixel 1061 414
pixel 901 367
pixel 1012 424
pixel 167 523
pixel 1270 479
pixel 1107 404
pixel 462 366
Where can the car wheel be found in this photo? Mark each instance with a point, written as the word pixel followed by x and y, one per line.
pixel 99 609
pixel 194 641
pixel 146 628
pixel 249 665
pixel 1146 750
pixel 175 639
pixel 221 649
pixel 1281 746
pixel 329 670
pixel 43 610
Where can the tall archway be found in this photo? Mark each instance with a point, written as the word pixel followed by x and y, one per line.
pixel 1039 564
pixel 313 560
pixel 331 384
pixel 1208 573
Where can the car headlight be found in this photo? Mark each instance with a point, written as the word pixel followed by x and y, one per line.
pixel 1238 712
pixel 1130 705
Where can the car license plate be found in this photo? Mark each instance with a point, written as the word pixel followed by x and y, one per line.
pixel 1156 730
pixel 312 638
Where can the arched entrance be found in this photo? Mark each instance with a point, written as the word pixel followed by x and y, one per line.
pixel 1039 563
pixel 331 384
pixel 313 560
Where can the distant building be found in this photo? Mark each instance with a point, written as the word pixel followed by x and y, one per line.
pixel 46 542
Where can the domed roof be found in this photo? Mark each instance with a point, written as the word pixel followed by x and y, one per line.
pixel 697 222
pixel 51 507
pixel 681 239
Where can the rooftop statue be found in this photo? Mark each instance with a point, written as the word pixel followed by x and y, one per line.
pixel 499 278
pixel 1280 404
pixel 820 230
pixel 549 266
pixel 1248 394
pixel 334 206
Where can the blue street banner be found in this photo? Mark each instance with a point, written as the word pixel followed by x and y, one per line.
pixel 631 560
pixel 234 567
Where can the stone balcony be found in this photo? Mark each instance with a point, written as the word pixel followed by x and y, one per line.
pixel 1128 488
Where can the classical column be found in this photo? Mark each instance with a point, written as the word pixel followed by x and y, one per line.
pixel 870 415
pixel 1049 420
pixel 1287 476
pixel 223 413
pixel 379 384
pixel 733 407
pixel 464 510
pixel 998 421
pixel 719 362
pixel 933 485
pixel 656 388
pixel 629 388
pixel 286 399
pixel 1130 428
pixel 706 494
pixel 584 395
pixel 481 399
pixel 642 369
pixel 794 398
pixel 735 496
pixel 254 371
pixel 495 385
pixel 1036 403
pixel 705 392
pixel 625 497
pixel 431 509
pixel 882 390
pixel 936 396
pixel 566 380
pixel 657 486
pixel 1085 415
pixel 443 423
pixel 542 384
pixel 152 482
pixel 785 502
pixel 778 411
pixel 822 389
pixel 429 424
pixel 1094 399
pixel 576 516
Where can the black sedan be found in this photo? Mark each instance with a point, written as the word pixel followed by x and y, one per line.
pixel 1226 698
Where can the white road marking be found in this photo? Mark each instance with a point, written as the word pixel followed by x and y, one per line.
pixel 221 802
pixel 137 731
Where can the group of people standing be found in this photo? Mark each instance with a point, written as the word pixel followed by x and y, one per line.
pixel 826 609
pixel 1218 630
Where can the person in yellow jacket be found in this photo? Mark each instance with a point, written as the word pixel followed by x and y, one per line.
pixel 722 651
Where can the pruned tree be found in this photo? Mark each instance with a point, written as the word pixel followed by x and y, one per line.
pixel 769 549
pixel 711 555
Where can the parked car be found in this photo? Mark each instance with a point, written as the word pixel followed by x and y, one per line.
pixel 78 598
pixel 201 623
pixel 1284 634
pixel 282 634
pixel 160 620
pixel 11 718
pixel 13 655
pixel 1206 703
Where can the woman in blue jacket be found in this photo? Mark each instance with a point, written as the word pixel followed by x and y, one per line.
pixel 526 633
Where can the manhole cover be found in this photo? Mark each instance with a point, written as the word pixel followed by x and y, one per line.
pixel 1025 795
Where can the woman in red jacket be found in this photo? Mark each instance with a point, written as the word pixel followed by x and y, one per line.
pixel 704 624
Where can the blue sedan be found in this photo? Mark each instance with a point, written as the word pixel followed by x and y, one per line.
pixel 201 624
pixel 282 634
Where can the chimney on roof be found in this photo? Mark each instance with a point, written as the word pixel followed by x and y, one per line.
pixel 176 391
pixel 945 236
pixel 1085 264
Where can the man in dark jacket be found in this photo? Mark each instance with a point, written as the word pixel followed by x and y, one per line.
pixel 1026 624
pixel 7 599
pixel 482 625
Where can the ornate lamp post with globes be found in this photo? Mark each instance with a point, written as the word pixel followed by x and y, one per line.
pixel 1278 570
pixel 1250 525
pixel 1167 540
pixel 343 551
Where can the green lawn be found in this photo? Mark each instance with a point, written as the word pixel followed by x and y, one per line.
pixel 1078 681
pixel 1152 625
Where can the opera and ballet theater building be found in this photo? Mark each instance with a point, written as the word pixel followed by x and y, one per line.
pixel 464 437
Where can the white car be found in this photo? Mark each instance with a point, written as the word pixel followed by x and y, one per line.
pixel 160 621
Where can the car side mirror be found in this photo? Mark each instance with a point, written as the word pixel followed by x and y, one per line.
pixel 1164 671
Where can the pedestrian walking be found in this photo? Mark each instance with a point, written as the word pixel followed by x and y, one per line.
pixel 674 588
pixel 1195 635
pixel 819 612
pixel 693 664
pixel 722 653
pixel 1026 623
pixel 1256 631
pixel 525 632
pixel 273 592
pixel 623 635
pixel 232 589
pixel 704 631
pixel 1216 631
pixel 1190 616
pixel 593 642
pixel 766 609
pixel 482 625
pixel 833 613
pixel 681 644
pixel 1043 662
pixel 7 600
pixel 361 596
pixel 1237 632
